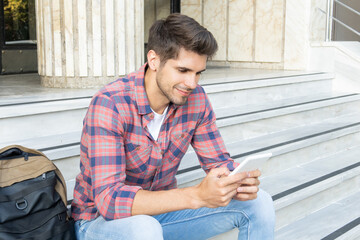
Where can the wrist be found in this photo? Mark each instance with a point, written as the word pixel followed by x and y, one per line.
pixel 195 200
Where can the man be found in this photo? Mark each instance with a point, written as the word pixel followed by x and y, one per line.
pixel 135 133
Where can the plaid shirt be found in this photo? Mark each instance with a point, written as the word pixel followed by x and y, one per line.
pixel 119 156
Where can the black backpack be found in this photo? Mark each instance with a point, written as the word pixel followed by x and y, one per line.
pixel 32 197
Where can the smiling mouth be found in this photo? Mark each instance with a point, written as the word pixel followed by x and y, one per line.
pixel 183 92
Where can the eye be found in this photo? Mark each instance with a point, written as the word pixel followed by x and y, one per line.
pixel 182 70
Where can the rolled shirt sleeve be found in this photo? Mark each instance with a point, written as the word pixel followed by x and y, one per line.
pixel 208 143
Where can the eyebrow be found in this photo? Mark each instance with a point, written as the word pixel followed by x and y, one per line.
pixel 188 69
pixel 202 71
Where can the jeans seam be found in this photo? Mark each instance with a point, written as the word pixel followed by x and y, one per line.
pixel 208 214
pixel 81 225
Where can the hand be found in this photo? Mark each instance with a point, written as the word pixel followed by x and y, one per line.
pixel 216 190
pixel 248 187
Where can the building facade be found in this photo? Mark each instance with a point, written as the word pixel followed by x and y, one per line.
pixel 87 43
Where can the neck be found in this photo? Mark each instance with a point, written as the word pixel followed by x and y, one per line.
pixel 158 102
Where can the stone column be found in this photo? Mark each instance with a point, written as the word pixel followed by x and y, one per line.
pixel 88 43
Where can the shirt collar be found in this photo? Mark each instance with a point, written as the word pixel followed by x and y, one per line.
pixel 140 93
pixel 141 96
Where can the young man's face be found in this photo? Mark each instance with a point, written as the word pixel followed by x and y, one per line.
pixel 177 78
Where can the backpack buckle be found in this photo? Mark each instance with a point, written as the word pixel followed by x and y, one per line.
pixel 21 204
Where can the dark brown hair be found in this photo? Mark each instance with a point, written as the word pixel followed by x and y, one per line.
pixel 167 36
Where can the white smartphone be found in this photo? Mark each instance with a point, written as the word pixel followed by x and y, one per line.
pixel 251 163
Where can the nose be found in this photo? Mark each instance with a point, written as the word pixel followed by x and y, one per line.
pixel 191 81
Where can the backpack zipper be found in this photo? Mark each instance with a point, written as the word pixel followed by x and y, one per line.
pixel 26 156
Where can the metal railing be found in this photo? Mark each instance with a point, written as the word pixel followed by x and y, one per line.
pixel 330 19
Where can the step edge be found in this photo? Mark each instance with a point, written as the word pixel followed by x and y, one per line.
pixel 306 192
pixel 324 209
pixel 242 85
pixel 280 111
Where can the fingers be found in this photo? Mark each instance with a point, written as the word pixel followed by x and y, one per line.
pixel 224 200
pixel 250 182
pixel 219 172
pixel 245 196
pixel 230 189
pixel 248 185
pixel 217 188
pixel 247 178
pixel 247 189
pixel 254 174
pixel 245 193
pixel 236 178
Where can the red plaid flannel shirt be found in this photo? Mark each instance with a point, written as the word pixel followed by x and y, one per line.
pixel 119 156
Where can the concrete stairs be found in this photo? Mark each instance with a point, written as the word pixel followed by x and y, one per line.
pixel 312 131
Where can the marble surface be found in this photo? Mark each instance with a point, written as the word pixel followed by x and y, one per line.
pixel 66 120
pixel 269 30
pixel 139 34
pixel 120 38
pixel 241 30
pixel 261 91
pixel 27 87
pixel 301 203
pixel 296 45
pixel 110 38
pixel 328 191
pixel 47 46
pixel 130 35
pixel 39 37
pixel 86 42
pixel 68 33
pixel 82 38
pixel 309 170
pixel 227 74
pixel 88 39
pixel 193 8
pixel 343 58
pixel 91 39
pixel 336 215
pixel 246 31
pixel 262 123
pixel 283 156
pixel 57 37
pixel 96 38
pixel 318 20
pixel 261 34
pixel 215 20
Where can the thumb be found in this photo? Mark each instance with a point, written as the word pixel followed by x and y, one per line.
pixel 219 172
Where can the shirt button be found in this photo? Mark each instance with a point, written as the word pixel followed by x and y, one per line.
pixel 137 148
pixel 151 116
pixel 162 152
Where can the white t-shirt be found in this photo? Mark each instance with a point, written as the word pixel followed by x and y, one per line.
pixel 154 125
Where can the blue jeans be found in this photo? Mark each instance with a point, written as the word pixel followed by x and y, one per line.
pixel 255 219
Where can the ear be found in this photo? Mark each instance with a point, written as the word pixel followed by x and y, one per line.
pixel 153 60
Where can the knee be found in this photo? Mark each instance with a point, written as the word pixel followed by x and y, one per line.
pixel 263 208
pixel 147 227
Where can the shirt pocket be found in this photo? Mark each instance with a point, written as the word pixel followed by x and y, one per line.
pixel 179 144
pixel 137 158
